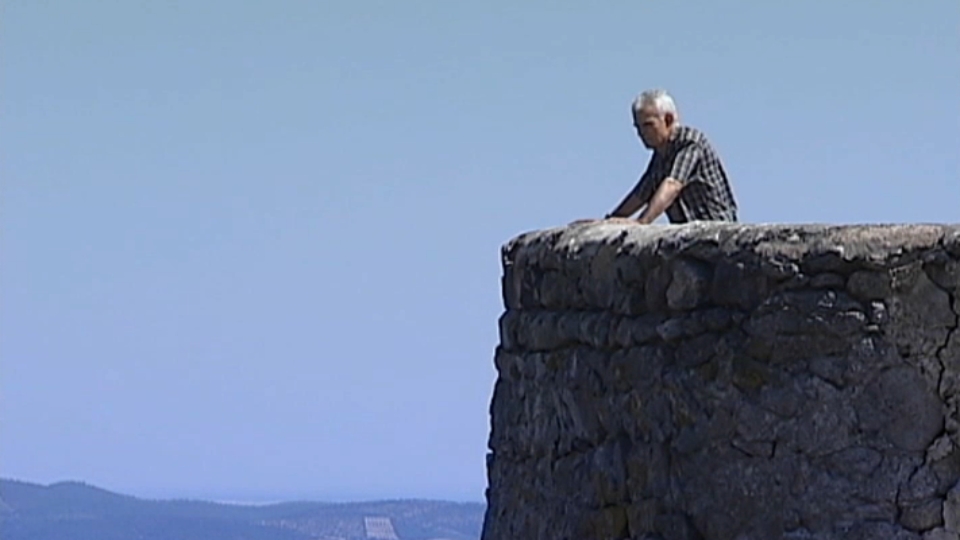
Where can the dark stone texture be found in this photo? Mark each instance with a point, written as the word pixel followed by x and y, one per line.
pixel 722 381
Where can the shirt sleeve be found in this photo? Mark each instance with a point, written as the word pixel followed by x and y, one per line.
pixel 684 162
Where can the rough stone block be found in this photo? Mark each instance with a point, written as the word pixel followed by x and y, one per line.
pixel 951 509
pixel 899 405
pixel 689 285
pixel 940 534
pixel 922 516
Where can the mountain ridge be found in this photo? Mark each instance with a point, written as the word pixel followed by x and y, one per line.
pixel 69 510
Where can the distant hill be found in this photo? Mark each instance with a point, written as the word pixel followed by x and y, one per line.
pixel 79 511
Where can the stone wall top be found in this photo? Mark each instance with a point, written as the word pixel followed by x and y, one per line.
pixel 627 268
pixel 879 245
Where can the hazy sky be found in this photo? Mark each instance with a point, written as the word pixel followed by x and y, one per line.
pixel 250 250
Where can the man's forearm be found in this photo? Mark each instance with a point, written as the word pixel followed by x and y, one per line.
pixel 661 200
pixel 630 204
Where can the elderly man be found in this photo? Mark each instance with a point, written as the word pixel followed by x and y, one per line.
pixel 684 177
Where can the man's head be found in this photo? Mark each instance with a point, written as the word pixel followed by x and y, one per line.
pixel 655 117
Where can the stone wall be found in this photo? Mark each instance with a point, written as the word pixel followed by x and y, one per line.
pixel 717 382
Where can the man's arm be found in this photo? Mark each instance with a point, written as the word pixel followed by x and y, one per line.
pixel 637 197
pixel 681 170
pixel 668 192
pixel 630 204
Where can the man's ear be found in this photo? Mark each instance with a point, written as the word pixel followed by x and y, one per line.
pixel 669 119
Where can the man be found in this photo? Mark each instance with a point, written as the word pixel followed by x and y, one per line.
pixel 684 177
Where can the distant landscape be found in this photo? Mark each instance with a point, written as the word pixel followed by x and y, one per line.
pixel 79 511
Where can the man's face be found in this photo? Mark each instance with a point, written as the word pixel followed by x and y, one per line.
pixel 653 128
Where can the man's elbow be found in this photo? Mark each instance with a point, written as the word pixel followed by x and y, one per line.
pixel 672 185
pixel 671 188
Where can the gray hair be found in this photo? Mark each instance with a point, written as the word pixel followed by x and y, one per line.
pixel 660 99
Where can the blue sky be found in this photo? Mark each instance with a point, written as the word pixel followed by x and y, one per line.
pixel 250 250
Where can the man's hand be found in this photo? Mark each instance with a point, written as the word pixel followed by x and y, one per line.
pixel 605 220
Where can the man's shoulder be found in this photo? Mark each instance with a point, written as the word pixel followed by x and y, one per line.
pixel 689 134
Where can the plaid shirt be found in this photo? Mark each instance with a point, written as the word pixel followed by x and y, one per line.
pixel 689 158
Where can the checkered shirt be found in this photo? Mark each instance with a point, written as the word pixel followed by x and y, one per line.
pixel 689 158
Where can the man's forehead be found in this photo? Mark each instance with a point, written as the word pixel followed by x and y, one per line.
pixel 646 112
